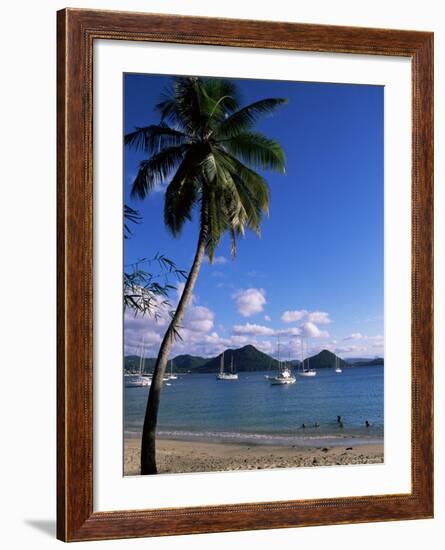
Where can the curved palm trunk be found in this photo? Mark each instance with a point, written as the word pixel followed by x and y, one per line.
pixel 148 445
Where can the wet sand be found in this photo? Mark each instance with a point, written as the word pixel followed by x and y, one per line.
pixel 194 456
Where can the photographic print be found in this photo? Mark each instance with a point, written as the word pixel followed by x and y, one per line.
pixel 253 276
pixel 244 275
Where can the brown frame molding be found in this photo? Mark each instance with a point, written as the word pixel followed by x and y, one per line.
pixel 76 31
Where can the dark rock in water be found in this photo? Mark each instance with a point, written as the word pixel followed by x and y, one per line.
pixel 325 449
pixel 349 448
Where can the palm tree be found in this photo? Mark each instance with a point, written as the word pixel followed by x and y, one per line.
pixel 207 151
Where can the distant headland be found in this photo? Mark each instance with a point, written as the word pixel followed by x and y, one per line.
pixel 247 359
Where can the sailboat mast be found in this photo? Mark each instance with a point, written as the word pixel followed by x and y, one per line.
pixel 301 354
pixel 141 358
pixel 221 364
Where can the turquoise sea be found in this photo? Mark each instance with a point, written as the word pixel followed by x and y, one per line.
pixel 250 410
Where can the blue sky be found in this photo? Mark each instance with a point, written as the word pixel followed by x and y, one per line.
pixel 317 269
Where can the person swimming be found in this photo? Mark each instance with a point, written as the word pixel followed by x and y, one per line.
pixel 339 419
pixel 368 424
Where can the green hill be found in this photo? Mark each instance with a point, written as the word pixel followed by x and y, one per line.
pixel 186 363
pixel 325 360
pixel 245 359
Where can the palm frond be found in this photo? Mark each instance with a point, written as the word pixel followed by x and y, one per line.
pixel 182 193
pixel 245 118
pixel 237 198
pixel 224 91
pixel 155 170
pixel 181 105
pixel 256 150
pixel 255 183
pixel 130 215
pixel 154 138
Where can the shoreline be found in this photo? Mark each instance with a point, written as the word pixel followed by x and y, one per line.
pixel 181 456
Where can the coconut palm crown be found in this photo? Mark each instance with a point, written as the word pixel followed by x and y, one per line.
pixel 207 150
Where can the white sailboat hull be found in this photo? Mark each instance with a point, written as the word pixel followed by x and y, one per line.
pixel 308 373
pixel 224 376
pixel 280 381
pixel 137 381
pixel 285 377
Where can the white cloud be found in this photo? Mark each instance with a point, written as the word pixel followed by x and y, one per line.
pixel 253 329
pixel 238 340
pixel 267 318
pixel 144 329
pixel 310 330
pixel 217 260
pixel 306 330
pixel 265 346
pixel 292 331
pixel 196 327
pixel 358 345
pixel 293 316
pixel 319 317
pixel 354 336
pixel 199 319
pixel 354 349
pixel 250 301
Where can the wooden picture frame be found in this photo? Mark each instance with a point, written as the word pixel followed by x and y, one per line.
pixel 77 31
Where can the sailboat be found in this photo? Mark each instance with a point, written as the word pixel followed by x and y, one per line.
pixel 232 375
pixel 138 380
pixel 171 376
pixel 285 375
pixel 338 370
pixel 305 371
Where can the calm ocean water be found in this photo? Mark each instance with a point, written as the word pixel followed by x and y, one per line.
pixel 250 410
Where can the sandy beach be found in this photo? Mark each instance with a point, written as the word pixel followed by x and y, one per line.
pixel 195 456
